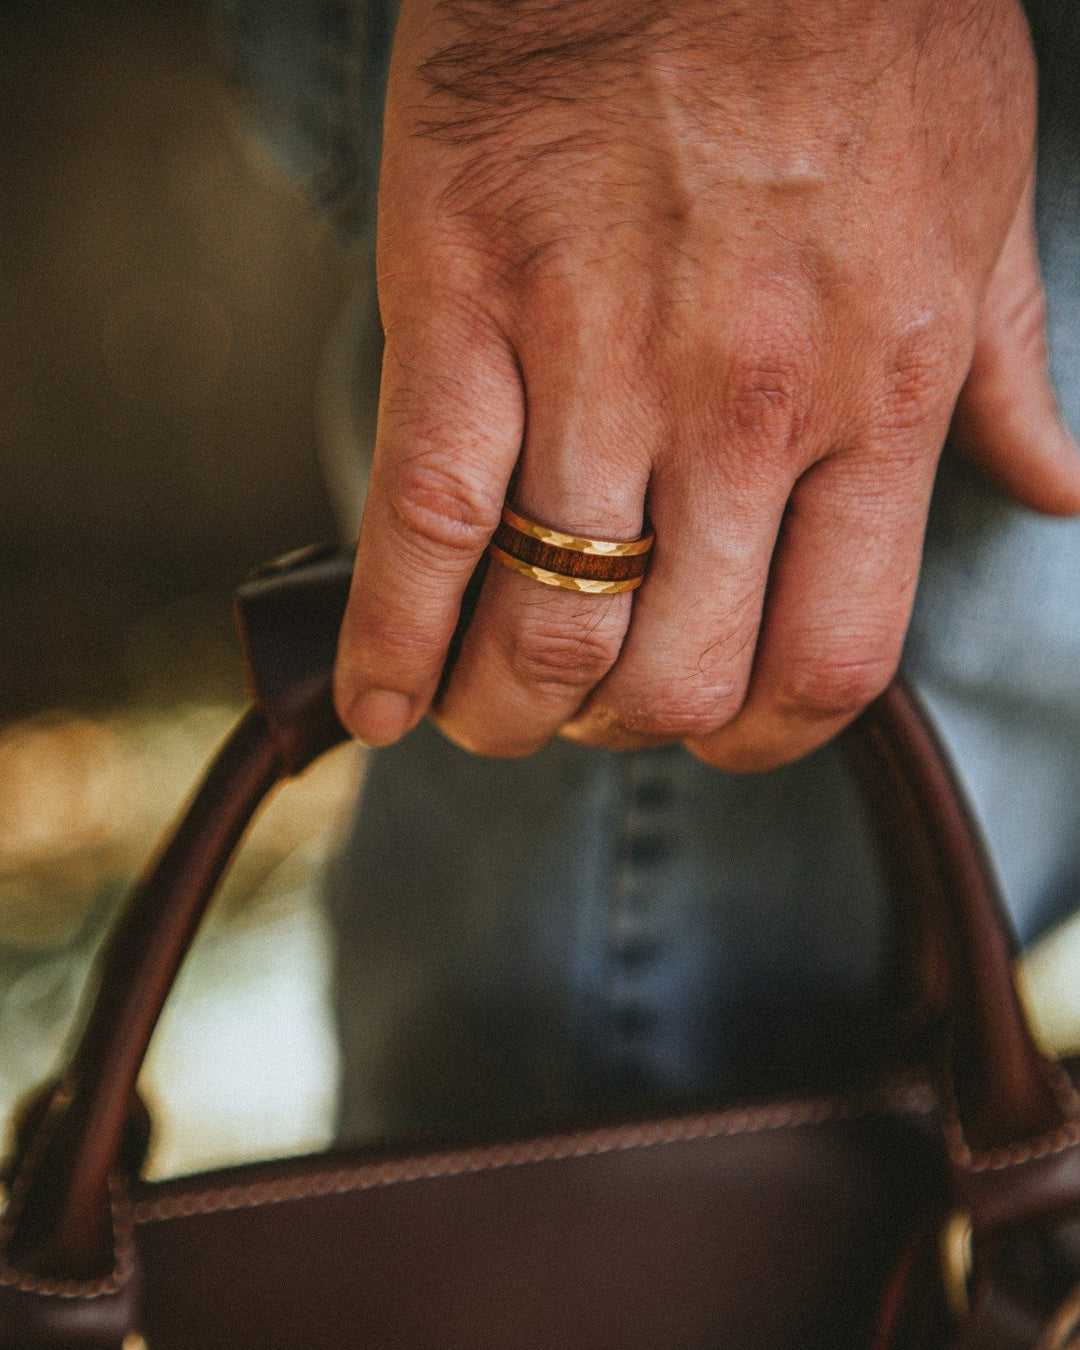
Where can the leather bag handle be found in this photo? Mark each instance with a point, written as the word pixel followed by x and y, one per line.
pixel 1001 1093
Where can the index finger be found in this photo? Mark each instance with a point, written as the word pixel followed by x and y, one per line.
pixel 451 419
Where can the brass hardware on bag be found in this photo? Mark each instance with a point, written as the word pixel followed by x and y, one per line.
pixel 133 1341
pixel 957 1262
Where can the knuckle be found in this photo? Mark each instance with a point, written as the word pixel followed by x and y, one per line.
pixel 583 313
pixel 685 716
pixel 431 300
pixel 438 503
pixel 563 653
pixel 921 377
pixel 835 687
pixel 767 400
pixel 547 284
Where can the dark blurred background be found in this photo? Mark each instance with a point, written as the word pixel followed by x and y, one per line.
pixel 166 299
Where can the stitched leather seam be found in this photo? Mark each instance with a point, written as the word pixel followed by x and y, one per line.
pixel 1053 1142
pixel 912 1098
pixel 1057 1141
pixel 123 1231
pixel 123 1227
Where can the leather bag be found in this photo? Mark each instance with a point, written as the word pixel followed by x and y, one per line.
pixel 937 1207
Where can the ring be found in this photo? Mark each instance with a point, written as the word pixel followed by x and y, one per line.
pixel 555 558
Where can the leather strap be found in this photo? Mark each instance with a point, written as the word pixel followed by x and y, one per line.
pixel 60 1222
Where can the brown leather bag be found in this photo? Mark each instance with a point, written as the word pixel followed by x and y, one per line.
pixel 939 1207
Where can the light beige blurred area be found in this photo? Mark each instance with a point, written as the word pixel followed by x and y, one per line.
pixel 1050 978
pixel 167 300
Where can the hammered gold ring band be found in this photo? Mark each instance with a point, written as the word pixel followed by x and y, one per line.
pixel 570 561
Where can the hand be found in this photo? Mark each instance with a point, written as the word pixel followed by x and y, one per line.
pixel 728 265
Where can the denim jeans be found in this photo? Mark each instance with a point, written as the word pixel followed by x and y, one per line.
pixel 586 932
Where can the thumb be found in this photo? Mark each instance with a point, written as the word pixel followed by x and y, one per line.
pixel 1007 420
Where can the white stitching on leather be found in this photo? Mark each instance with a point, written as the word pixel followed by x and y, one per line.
pixel 914 1097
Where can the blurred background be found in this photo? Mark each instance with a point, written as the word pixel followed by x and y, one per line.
pixel 167 300
pixel 170 301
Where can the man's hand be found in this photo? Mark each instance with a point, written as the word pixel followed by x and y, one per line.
pixel 726 265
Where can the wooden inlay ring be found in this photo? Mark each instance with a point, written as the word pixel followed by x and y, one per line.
pixel 573 562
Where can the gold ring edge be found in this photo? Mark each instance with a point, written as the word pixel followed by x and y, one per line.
pixel 560 579
pixel 601 548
